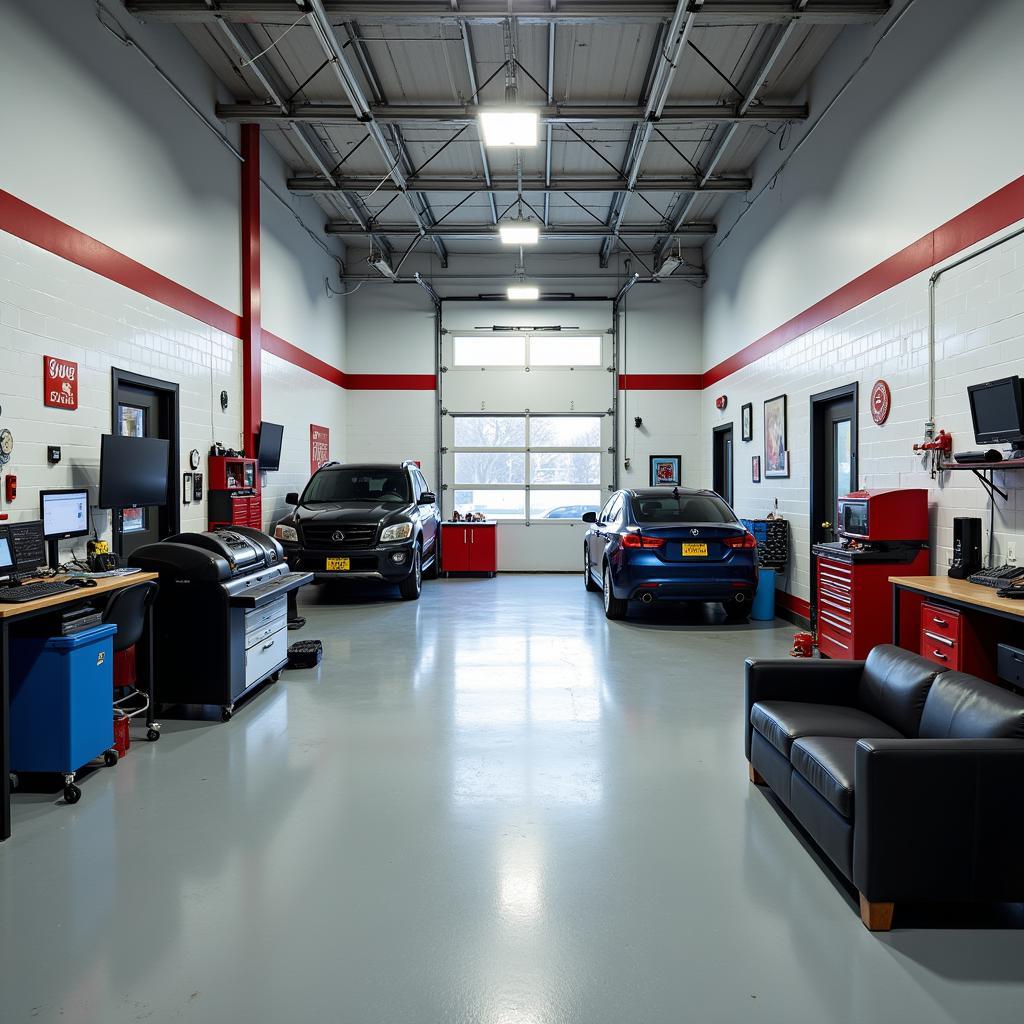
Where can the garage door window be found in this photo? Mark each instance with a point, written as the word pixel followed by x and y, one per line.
pixel 544 350
pixel 527 467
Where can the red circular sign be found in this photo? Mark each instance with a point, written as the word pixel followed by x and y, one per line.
pixel 881 402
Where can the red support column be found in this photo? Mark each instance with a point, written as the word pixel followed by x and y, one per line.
pixel 252 378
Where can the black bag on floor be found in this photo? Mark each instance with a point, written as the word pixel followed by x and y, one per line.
pixel 305 654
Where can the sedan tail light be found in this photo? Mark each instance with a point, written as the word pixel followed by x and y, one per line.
pixel 637 540
pixel 744 540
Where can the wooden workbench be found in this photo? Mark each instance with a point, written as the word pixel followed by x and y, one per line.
pixel 11 615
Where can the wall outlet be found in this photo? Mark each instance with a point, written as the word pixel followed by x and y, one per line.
pixel 1011 553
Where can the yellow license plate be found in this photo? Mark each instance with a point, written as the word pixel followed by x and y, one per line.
pixel 339 564
pixel 695 551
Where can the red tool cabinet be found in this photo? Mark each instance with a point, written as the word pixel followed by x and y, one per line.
pixel 957 641
pixel 469 547
pixel 234 494
pixel 855 601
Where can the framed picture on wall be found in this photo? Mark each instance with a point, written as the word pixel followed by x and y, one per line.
pixel 755 469
pixel 776 461
pixel 747 422
pixel 666 470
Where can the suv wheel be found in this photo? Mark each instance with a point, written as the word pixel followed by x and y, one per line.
pixel 614 607
pixel 411 586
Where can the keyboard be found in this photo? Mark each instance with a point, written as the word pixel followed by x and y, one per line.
pixel 999 576
pixel 34 591
pixel 108 574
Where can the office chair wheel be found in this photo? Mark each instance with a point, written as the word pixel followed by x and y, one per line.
pixel 14 780
pixel 72 794
pixel 225 714
pixel 275 676
pixel 110 758
pixel 153 735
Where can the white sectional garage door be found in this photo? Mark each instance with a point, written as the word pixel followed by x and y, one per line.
pixel 526 430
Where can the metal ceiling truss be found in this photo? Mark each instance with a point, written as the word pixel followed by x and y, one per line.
pixel 336 12
pixel 676 113
pixel 675 183
pixel 488 231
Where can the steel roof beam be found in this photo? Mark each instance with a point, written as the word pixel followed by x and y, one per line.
pixel 676 113
pixel 559 184
pixel 467 48
pixel 713 12
pixel 488 232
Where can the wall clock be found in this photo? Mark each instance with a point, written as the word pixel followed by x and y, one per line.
pixel 6 446
pixel 193 458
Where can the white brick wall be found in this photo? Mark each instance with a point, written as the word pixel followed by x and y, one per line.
pixel 49 306
pixel 980 336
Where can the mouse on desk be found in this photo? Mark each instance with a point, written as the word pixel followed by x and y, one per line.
pixel 79 582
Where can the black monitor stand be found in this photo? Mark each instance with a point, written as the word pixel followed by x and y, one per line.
pixel 53 553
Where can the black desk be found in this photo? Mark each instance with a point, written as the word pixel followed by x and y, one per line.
pixel 13 615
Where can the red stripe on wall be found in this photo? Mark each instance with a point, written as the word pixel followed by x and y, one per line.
pixel 794 604
pixel 26 222
pixel 292 354
pixel 659 382
pixel 992 214
pixel 390 381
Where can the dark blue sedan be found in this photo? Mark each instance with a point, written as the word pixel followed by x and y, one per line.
pixel 669 544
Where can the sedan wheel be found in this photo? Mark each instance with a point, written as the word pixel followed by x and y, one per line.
pixel 614 607
pixel 588 579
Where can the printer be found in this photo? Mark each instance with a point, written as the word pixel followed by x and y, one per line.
pixel 221 617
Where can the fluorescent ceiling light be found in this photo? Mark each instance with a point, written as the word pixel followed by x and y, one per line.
pixel 509 127
pixel 519 232
pixel 669 267
pixel 523 292
pixel 382 266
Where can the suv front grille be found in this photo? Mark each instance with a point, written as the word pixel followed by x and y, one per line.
pixel 357 535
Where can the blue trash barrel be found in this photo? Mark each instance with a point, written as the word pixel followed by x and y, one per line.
pixel 763 608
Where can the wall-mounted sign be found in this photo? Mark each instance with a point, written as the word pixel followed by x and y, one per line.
pixel 881 402
pixel 319 446
pixel 60 383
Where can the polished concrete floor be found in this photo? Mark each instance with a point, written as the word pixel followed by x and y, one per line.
pixel 489 807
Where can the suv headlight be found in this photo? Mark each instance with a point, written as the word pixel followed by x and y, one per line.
pixel 400 531
pixel 287 533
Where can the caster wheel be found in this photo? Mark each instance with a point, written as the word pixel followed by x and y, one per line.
pixel 72 794
pixel 275 676
pixel 110 758
pixel 14 781
pixel 153 735
pixel 225 714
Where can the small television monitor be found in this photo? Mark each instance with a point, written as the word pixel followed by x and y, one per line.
pixel 133 471
pixel 997 411
pixel 64 514
pixel 268 445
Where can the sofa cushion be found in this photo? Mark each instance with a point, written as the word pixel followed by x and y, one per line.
pixel 962 707
pixel 894 686
pixel 826 762
pixel 781 722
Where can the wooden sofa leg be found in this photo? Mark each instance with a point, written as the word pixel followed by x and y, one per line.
pixel 755 776
pixel 877 917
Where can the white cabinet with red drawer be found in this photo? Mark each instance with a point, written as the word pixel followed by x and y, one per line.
pixel 469 547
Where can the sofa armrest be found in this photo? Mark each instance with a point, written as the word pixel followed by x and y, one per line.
pixel 939 819
pixel 814 680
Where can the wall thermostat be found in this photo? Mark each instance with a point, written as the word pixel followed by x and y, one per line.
pixel 53 454
pixel 197 486
pixel 186 488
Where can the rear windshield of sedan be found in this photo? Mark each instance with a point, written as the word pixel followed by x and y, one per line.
pixel 376 486
pixel 687 508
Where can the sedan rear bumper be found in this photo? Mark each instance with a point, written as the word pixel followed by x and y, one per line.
pixel 646 577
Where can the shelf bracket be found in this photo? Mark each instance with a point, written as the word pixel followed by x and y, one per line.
pixel 989 484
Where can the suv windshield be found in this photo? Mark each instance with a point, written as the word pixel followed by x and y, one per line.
pixel 375 486
pixel 687 508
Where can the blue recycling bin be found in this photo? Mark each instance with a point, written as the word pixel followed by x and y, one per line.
pixel 61 700
pixel 763 608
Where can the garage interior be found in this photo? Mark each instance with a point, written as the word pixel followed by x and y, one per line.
pixel 572 278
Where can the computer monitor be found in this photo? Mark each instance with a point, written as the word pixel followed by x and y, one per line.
pixel 28 546
pixel 997 411
pixel 133 471
pixel 268 445
pixel 6 553
pixel 64 514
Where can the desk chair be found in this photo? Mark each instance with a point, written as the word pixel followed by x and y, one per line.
pixel 127 610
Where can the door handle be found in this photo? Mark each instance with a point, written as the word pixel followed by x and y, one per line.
pixel 268 645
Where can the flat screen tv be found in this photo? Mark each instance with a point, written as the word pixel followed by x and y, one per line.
pixel 133 471
pixel 997 411
pixel 268 445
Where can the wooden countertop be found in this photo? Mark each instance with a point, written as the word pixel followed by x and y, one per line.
pixel 962 592
pixel 103 586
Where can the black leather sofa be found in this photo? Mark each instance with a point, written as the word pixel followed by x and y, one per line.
pixel 909 778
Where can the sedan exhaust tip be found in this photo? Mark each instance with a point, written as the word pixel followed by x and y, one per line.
pixel 647 597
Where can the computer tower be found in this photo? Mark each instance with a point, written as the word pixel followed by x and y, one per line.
pixel 966 547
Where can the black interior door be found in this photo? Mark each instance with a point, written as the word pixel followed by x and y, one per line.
pixel 722 462
pixel 145 407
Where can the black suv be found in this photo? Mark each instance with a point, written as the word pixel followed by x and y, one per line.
pixel 366 522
